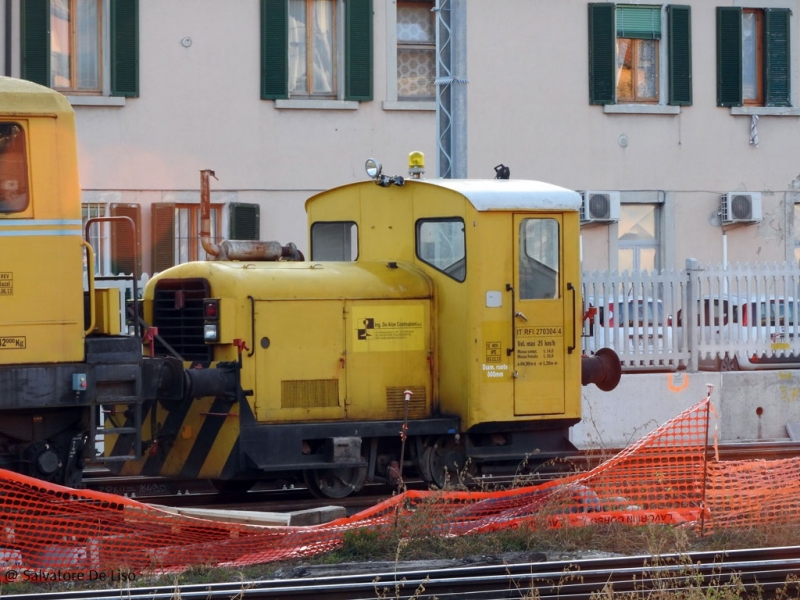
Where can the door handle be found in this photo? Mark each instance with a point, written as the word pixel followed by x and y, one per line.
pixel 521 316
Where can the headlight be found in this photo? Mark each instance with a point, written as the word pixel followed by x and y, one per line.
pixel 211 332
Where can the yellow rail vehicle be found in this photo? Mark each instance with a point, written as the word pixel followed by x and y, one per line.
pixel 433 330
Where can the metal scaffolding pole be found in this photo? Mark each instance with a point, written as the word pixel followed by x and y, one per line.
pixel 451 88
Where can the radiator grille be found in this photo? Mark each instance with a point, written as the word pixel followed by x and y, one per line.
pixel 178 314
pixel 310 393
pixel 396 405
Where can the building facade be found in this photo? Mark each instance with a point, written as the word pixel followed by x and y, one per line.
pixel 680 122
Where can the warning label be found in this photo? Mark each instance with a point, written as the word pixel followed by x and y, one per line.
pixel 6 284
pixel 389 328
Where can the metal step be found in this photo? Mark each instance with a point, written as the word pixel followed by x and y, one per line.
pixel 114 430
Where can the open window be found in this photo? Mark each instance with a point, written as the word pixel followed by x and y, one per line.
pixel 441 243
pixel 334 241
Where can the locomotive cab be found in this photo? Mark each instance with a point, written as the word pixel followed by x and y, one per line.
pixel 504 257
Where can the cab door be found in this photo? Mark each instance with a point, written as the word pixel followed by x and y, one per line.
pixel 539 310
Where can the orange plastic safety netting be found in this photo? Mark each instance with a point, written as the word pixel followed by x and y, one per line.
pixel 666 477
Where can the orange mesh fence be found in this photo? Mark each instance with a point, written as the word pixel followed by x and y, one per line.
pixel 665 477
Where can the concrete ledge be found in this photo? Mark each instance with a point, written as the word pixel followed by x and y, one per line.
pixel 298 518
pixel 749 406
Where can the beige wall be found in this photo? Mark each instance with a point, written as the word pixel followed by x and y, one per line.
pixel 528 107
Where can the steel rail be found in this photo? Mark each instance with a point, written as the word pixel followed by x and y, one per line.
pixel 743 571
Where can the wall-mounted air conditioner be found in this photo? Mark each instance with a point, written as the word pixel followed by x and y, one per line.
pixel 600 207
pixel 740 207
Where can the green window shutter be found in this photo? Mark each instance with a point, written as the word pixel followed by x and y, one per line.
pixel 679 20
pixel 126 256
pixel 162 233
pixel 729 56
pixel 244 221
pixel 125 48
pixel 274 49
pixel 35 41
pixel 358 50
pixel 640 22
pixel 602 54
pixel 776 57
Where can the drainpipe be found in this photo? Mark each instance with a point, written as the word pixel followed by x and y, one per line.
pixel 7 50
pixel 237 249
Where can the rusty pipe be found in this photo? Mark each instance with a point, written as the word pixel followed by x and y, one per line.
pixel 205 215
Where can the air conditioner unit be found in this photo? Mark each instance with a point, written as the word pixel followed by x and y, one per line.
pixel 600 207
pixel 740 207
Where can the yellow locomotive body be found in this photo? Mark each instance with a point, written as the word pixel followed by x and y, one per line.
pixel 435 322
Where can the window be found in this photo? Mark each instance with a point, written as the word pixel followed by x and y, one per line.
pixel 416 51
pixel 175 233
pixel 627 52
pixel 75 45
pixel 441 243
pixel 638 237
pixel 334 241
pixel 63 46
pixel 13 169
pixel 305 44
pixel 98 235
pixel 126 241
pixel 753 57
pixel 539 259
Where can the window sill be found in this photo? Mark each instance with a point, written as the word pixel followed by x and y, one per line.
pixel 641 109
pixel 766 111
pixel 317 104
pixel 408 105
pixel 96 100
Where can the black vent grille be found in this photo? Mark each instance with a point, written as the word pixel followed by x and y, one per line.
pixel 178 314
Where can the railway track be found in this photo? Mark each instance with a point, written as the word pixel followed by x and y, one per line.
pixel 768 572
pixel 289 497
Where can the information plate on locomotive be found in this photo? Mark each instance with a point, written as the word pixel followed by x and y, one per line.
pixel 383 328
pixel 6 284
pixel 14 342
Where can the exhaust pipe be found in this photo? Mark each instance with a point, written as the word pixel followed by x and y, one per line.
pixel 237 249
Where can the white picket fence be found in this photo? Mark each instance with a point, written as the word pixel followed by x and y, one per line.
pixel 702 317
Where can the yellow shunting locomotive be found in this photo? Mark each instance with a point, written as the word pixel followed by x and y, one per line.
pixel 434 327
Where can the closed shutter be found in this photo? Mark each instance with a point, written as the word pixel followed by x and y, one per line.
pixel 776 57
pixel 244 220
pixel 358 50
pixel 125 48
pixel 35 42
pixel 602 54
pixel 679 22
pixel 729 56
pixel 274 49
pixel 162 233
pixel 639 22
pixel 126 256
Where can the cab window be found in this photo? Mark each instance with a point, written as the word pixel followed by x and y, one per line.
pixel 13 169
pixel 441 243
pixel 539 259
pixel 334 241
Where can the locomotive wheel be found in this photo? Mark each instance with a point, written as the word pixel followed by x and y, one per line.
pixel 443 462
pixel 335 483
